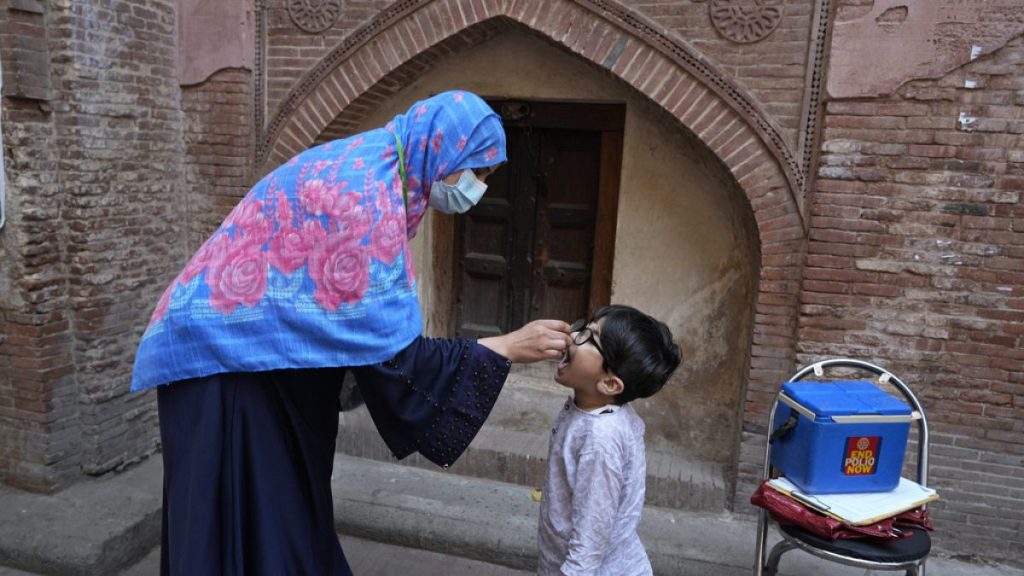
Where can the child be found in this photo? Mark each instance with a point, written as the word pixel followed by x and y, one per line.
pixel 594 491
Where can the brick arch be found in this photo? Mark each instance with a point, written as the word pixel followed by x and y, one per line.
pixel 722 115
pixel 386 53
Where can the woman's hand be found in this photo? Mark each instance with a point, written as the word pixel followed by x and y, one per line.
pixel 538 340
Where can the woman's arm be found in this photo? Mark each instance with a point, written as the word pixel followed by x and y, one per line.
pixel 434 396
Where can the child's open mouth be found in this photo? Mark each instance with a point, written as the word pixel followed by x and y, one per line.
pixel 565 360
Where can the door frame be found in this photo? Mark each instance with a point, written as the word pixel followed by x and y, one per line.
pixel 608 118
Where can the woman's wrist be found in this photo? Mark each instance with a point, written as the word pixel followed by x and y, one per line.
pixel 497 344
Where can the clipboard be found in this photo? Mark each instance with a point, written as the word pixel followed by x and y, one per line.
pixel 858 509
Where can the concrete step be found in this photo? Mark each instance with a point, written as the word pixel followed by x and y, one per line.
pixel 512 447
pixel 96 526
pixel 102 525
pixel 497 522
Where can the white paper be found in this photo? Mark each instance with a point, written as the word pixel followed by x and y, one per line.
pixel 862 507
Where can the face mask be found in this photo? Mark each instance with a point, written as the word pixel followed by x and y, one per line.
pixel 457 198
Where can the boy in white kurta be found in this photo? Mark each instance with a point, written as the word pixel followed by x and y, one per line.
pixel 594 491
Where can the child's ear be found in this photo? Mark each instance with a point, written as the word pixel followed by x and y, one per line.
pixel 610 386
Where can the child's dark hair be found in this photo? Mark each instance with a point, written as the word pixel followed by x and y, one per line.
pixel 638 349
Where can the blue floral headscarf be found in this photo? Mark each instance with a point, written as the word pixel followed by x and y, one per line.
pixel 312 268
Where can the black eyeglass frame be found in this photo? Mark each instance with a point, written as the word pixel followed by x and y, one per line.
pixel 583 333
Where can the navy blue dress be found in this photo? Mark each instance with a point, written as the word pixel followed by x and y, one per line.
pixel 248 456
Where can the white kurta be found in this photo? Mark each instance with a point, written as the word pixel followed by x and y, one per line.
pixel 594 494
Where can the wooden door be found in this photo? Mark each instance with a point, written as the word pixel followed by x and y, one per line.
pixel 540 243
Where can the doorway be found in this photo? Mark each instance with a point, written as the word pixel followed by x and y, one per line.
pixel 540 244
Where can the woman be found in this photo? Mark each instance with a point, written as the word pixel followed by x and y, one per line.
pixel 310 276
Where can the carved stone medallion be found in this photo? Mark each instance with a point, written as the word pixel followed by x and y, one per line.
pixel 314 15
pixel 745 21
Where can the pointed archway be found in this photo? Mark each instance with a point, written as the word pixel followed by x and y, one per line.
pixel 388 52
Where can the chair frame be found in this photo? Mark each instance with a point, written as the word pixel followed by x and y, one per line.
pixel 770 568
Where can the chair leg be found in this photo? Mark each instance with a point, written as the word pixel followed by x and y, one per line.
pixel 917 570
pixel 772 567
pixel 761 544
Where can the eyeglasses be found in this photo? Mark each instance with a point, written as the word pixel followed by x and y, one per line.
pixel 583 333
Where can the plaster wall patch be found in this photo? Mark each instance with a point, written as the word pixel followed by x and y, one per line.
pixel 965 122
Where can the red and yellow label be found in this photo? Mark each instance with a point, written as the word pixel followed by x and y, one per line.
pixel 861 456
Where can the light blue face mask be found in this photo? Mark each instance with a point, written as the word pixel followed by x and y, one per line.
pixel 457 198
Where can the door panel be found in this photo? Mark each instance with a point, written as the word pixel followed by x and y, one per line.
pixel 566 214
pixel 528 249
pixel 483 257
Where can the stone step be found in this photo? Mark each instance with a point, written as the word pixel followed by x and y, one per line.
pixel 512 447
pixel 100 525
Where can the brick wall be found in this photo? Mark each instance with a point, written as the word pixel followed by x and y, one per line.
pixel 291 52
pixel 115 175
pixel 95 185
pixel 916 260
pixel 772 70
pixel 38 443
pixel 119 133
pixel 218 149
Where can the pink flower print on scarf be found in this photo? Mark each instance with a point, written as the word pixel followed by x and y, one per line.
pixel 161 306
pixel 340 270
pixel 317 197
pixel 291 246
pixel 317 217
pixel 388 238
pixel 215 245
pixel 351 218
pixel 437 141
pixel 237 275
pixel 442 171
pixel 355 143
pixel 284 210
pixel 250 221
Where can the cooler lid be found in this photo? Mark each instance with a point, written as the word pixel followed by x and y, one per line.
pixel 844 397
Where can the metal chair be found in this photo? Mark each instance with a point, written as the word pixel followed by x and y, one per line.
pixel 907 554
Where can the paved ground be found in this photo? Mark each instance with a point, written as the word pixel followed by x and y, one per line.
pixel 99 525
pixel 368 558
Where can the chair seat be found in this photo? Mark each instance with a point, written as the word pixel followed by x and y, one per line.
pixel 913 547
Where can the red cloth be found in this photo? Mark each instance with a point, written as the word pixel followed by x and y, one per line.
pixel 790 512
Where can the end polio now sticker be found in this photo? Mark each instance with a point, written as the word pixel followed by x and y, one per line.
pixel 861 456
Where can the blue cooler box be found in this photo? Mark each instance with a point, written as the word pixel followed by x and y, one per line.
pixel 849 436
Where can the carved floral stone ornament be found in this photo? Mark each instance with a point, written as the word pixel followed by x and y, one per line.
pixel 745 21
pixel 314 15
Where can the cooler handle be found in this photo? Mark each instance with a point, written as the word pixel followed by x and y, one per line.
pixel 872 418
pixel 783 430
